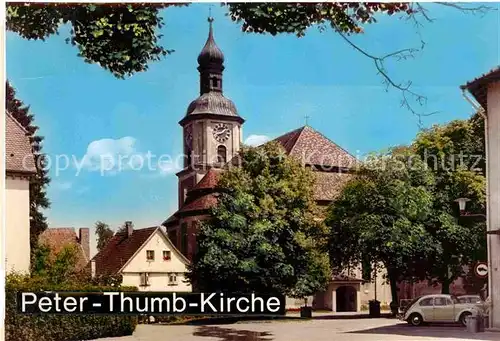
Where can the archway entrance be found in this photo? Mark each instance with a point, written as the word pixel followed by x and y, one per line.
pixel 346 298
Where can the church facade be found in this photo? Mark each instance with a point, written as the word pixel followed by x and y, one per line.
pixel 212 134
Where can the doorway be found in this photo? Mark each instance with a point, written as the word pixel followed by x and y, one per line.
pixel 346 299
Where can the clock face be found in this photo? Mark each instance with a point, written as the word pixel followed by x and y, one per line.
pixel 221 132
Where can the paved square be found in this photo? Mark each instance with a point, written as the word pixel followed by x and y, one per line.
pixel 312 330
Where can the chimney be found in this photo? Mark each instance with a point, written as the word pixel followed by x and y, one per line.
pixel 84 240
pixel 129 227
pixel 92 268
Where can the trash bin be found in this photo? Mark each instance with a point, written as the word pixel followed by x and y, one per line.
pixel 471 324
pixel 374 308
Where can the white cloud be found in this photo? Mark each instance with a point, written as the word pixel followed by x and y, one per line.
pixel 256 140
pixel 111 155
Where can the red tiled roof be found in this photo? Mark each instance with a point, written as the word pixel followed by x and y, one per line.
pixel 313 148
pixel 478 86
pixel 328 185
pixel 209 181
pixel 204 202
pixel 120 249
pixel 58 238
pixel 18 153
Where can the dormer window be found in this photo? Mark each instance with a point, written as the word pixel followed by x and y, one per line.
pixel 150 255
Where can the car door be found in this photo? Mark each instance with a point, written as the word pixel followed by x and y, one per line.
pixel 426 308
pixel 444 309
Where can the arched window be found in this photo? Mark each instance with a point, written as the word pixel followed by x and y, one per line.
pixel 221 154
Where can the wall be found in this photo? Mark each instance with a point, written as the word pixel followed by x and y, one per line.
pixel 158 269
pixel 17 247
pixel 493 177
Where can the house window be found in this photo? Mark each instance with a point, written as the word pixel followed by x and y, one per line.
pixel 166 255
pixel 144 279
pixel 150 255
pixel 184 238
pixel 221 154
pixel 172 279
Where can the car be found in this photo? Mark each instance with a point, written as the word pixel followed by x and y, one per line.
pixel 437 308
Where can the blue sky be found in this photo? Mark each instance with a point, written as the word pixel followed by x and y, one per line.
pixel 274 81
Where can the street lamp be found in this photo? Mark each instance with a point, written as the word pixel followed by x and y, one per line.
pixel 462 203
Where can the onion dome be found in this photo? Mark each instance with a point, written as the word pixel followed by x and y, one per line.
pixel 210 54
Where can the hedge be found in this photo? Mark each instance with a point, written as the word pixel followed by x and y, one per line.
pixel 20 327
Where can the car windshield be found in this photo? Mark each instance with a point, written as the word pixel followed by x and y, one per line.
pixel 412 302
pixel 455 299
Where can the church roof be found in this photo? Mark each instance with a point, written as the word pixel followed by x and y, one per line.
pixel 313 148
pixel 202 203
pixel 211 53
pixel 212 103
pixel 478 87
pixel 18 153
pixel 209 181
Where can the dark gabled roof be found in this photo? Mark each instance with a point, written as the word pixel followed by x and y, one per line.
pixel 19 156
pixel 478 86
pixel 120 249
pixel 313 148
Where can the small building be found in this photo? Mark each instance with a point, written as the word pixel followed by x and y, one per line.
pixel 145 258
pixel 19 168
pixel 59 238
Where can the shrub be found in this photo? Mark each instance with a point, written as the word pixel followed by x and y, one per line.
pixel 19 327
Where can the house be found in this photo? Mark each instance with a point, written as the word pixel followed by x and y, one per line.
pixel 145 258
pixel 59 238
pixel 486 91
pixel 19 168
pixel 212 134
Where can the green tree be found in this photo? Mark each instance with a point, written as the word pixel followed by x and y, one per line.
pixel 454 152
pixel 380 217
pixel 263 236
pixel 39 182
pixel 55 268
pixel 104 234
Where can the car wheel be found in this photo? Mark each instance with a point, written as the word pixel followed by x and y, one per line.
pixel 463 318
pixel 415 319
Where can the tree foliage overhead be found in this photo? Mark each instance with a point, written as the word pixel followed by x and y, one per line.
pixel 262 236
pixel 296 18
pixel 39 182
pixel 121 38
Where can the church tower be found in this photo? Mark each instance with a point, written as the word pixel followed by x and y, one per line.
pixel 211 127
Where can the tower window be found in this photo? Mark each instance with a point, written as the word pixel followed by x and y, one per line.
pixel 221 154
pixel 215 82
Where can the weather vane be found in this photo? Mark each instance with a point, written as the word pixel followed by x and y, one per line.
pixel 307 119
pixel 210 13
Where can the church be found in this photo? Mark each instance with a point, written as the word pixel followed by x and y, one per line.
pixel 212 136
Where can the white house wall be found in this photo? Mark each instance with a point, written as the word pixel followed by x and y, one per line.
pixel 158 269
pixel 17 208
